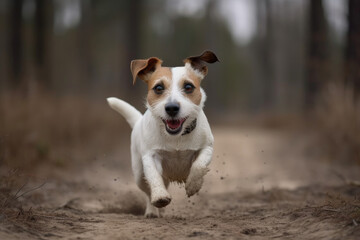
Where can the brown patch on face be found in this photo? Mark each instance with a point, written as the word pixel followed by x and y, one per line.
pixel 192 78
pixel 163 76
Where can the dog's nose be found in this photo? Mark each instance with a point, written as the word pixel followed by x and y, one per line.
pixel 172 108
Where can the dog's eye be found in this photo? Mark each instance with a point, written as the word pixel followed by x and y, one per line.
pixel 158 89
pixel 188 87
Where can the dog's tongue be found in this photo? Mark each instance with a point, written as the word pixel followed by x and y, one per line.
pixel 174 124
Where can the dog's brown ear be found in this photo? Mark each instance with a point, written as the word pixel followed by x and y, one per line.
pixel 197 62
pixel 143 68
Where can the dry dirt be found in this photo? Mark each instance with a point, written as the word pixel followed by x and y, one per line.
pixel 263 184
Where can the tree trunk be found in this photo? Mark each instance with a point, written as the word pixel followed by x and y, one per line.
pixel 352 63
pixel 263 93
pixel 134 23
pixel 317 52
pixel 16 44
pixel 134 19
pixel 268 58
pixel 85 46
pixel 43 32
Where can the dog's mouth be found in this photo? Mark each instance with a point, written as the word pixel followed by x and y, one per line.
pixel 174 126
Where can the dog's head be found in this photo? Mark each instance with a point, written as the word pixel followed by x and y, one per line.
pixel 174 96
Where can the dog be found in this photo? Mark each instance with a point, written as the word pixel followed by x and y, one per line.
pixel 172 141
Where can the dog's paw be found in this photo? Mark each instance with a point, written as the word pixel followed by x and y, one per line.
pixel 195 181
pixel 193 186
pixel 160 198
pixel 151 215
pixel 161 201
pixel 151 211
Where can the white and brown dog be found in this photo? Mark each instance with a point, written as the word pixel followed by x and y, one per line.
pixel 172 141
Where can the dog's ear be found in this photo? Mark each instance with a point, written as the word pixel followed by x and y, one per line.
pixel 143 68
pixel 197 62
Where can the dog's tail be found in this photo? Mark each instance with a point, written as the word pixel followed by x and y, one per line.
pixel 131 114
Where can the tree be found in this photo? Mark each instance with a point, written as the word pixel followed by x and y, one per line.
pixel 134 21
pixel 85 41
pixel 352 55
pixel 15 42
pixel 264 89
pixel 43 31
pixel 317 52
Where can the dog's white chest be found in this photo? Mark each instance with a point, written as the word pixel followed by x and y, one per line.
pixel 176 164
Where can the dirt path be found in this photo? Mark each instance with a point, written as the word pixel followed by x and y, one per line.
pixel 263 184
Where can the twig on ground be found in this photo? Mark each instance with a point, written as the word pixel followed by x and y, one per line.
pixel 12 197
pixel 347 181
pixel 30 190
pixel 355 223
pixel 330 210
pixel 16 196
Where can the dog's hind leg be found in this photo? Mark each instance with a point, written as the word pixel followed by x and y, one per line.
pixel 137 167
pixel 150 211
pixel 159 195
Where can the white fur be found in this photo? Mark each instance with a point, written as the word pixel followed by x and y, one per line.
pixel 131 114
pixel 198 73
pixel 158 157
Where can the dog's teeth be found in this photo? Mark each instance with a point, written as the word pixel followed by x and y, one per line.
pixel 173 123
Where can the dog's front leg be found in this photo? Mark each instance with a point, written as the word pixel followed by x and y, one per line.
pixel 158 194
pixel 198 170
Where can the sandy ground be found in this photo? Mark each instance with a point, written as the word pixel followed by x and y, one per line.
pixel 263 184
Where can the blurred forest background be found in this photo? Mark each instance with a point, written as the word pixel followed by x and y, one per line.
pixel 60 59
